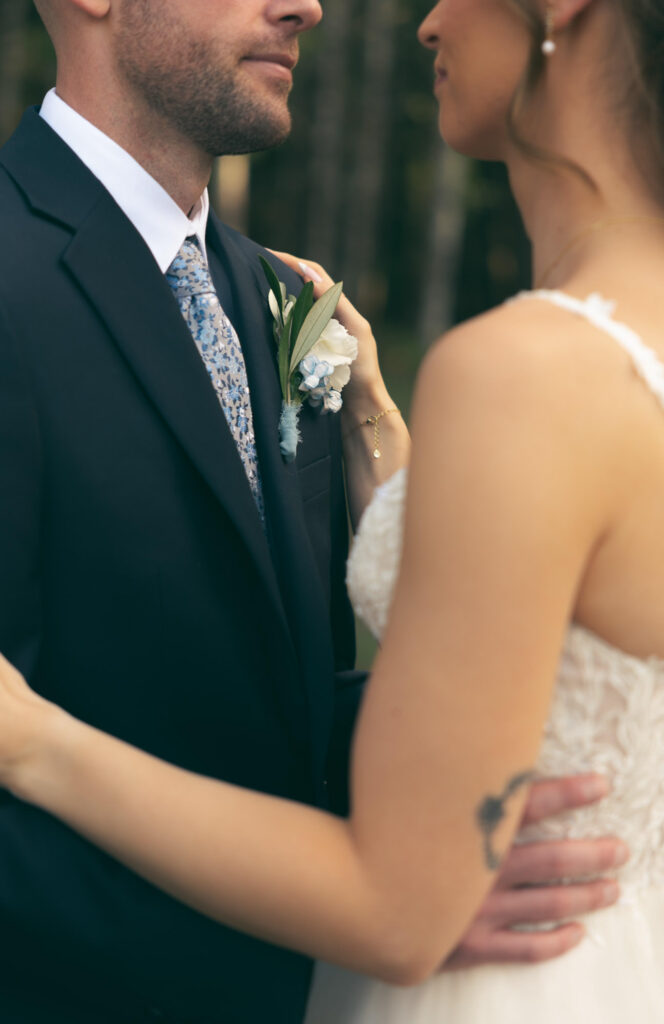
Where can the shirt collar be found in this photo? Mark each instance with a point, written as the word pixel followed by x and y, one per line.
pixel 155 215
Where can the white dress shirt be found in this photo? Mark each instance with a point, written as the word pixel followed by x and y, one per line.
pixel 155 215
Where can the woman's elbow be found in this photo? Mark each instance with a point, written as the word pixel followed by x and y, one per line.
pixel 405 959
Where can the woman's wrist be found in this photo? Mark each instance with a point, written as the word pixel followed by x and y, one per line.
pixel 364 402
pixel 48 733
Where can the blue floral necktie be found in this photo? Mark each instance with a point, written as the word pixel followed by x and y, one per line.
pixel 220 349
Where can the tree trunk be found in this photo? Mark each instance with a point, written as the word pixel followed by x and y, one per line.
pixel 14 16
pixel 230 190
pixel 371 154
pixel 328 136
pixel 448 224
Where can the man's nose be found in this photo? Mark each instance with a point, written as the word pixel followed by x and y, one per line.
pixel 304 14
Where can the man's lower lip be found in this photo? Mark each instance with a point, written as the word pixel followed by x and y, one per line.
pixel 272 68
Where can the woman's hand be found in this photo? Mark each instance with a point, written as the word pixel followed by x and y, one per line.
pixel 366 387
pixel 364 397
pixel 25 719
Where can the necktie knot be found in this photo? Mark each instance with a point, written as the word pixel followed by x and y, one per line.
pixel 188 274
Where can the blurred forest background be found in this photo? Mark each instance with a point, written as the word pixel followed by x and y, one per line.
pixel 421 237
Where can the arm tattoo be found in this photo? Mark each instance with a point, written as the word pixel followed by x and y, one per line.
pixel 491 812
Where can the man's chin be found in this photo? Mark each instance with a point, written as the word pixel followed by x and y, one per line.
pixel 255 138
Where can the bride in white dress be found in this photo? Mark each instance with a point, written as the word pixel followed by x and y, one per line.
pixel 607 715
pixel 524 576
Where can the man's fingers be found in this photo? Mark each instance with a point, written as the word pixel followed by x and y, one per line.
pixel 550 903
pixel 553 796
pixel 515 947
pixel 543 863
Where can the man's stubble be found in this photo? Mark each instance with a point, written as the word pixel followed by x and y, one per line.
pixel 192 86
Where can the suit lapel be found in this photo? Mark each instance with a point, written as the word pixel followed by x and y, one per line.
pixel 115 270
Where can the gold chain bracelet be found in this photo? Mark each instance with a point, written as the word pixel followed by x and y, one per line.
pixel 374 421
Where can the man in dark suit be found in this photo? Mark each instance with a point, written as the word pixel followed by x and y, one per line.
pixel 158 579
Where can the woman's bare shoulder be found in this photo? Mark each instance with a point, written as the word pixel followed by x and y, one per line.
pixel 527 350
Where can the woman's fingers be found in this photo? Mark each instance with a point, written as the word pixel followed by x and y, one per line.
pixel 307 269
pixel 310 271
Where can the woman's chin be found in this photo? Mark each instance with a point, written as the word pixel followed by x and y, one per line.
pixel 479 145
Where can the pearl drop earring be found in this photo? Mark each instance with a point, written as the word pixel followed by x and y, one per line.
pixel 549 46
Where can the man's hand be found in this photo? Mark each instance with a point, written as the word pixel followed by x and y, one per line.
pixel 526 893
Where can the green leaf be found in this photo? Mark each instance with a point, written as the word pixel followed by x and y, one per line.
pixel 301 310
pixel 284 360
pixel 274 283
pixel 315 323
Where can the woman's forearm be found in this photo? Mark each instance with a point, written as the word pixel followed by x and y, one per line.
pixel 286 873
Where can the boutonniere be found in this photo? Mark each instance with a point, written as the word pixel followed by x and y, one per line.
pixel 314 353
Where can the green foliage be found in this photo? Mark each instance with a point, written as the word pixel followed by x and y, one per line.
pixel 300 324
pixel 315 322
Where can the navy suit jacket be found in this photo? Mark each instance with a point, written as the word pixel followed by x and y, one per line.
pixel 139 590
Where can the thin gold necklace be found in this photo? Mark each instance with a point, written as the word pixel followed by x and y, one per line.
pixel 598 225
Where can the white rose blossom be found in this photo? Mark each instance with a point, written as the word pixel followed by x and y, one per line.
pixel 338 348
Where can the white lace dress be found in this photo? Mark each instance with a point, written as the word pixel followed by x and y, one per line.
pixel 608 716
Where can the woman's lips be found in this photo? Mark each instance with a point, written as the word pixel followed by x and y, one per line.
pixel 440 77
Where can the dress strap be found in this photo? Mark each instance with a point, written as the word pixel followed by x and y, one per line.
pixel 599 312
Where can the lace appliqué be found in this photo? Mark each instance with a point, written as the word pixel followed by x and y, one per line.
pixel 607 712
pixel 374 560
pixel 607 715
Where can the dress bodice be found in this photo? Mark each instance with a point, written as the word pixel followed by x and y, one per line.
pixel 607 712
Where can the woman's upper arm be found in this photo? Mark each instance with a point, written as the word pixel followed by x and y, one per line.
pixel 503 511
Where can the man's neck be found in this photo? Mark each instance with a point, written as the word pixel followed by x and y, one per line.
pixel 182 169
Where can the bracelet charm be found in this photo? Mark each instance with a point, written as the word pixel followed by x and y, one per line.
pixel 374 421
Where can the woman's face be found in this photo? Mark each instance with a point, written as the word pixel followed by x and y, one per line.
pixel 482 48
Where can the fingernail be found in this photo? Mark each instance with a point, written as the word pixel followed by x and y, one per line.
pixel 610 893
pixel 309 272
pixel 595 788
pixel 621 856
